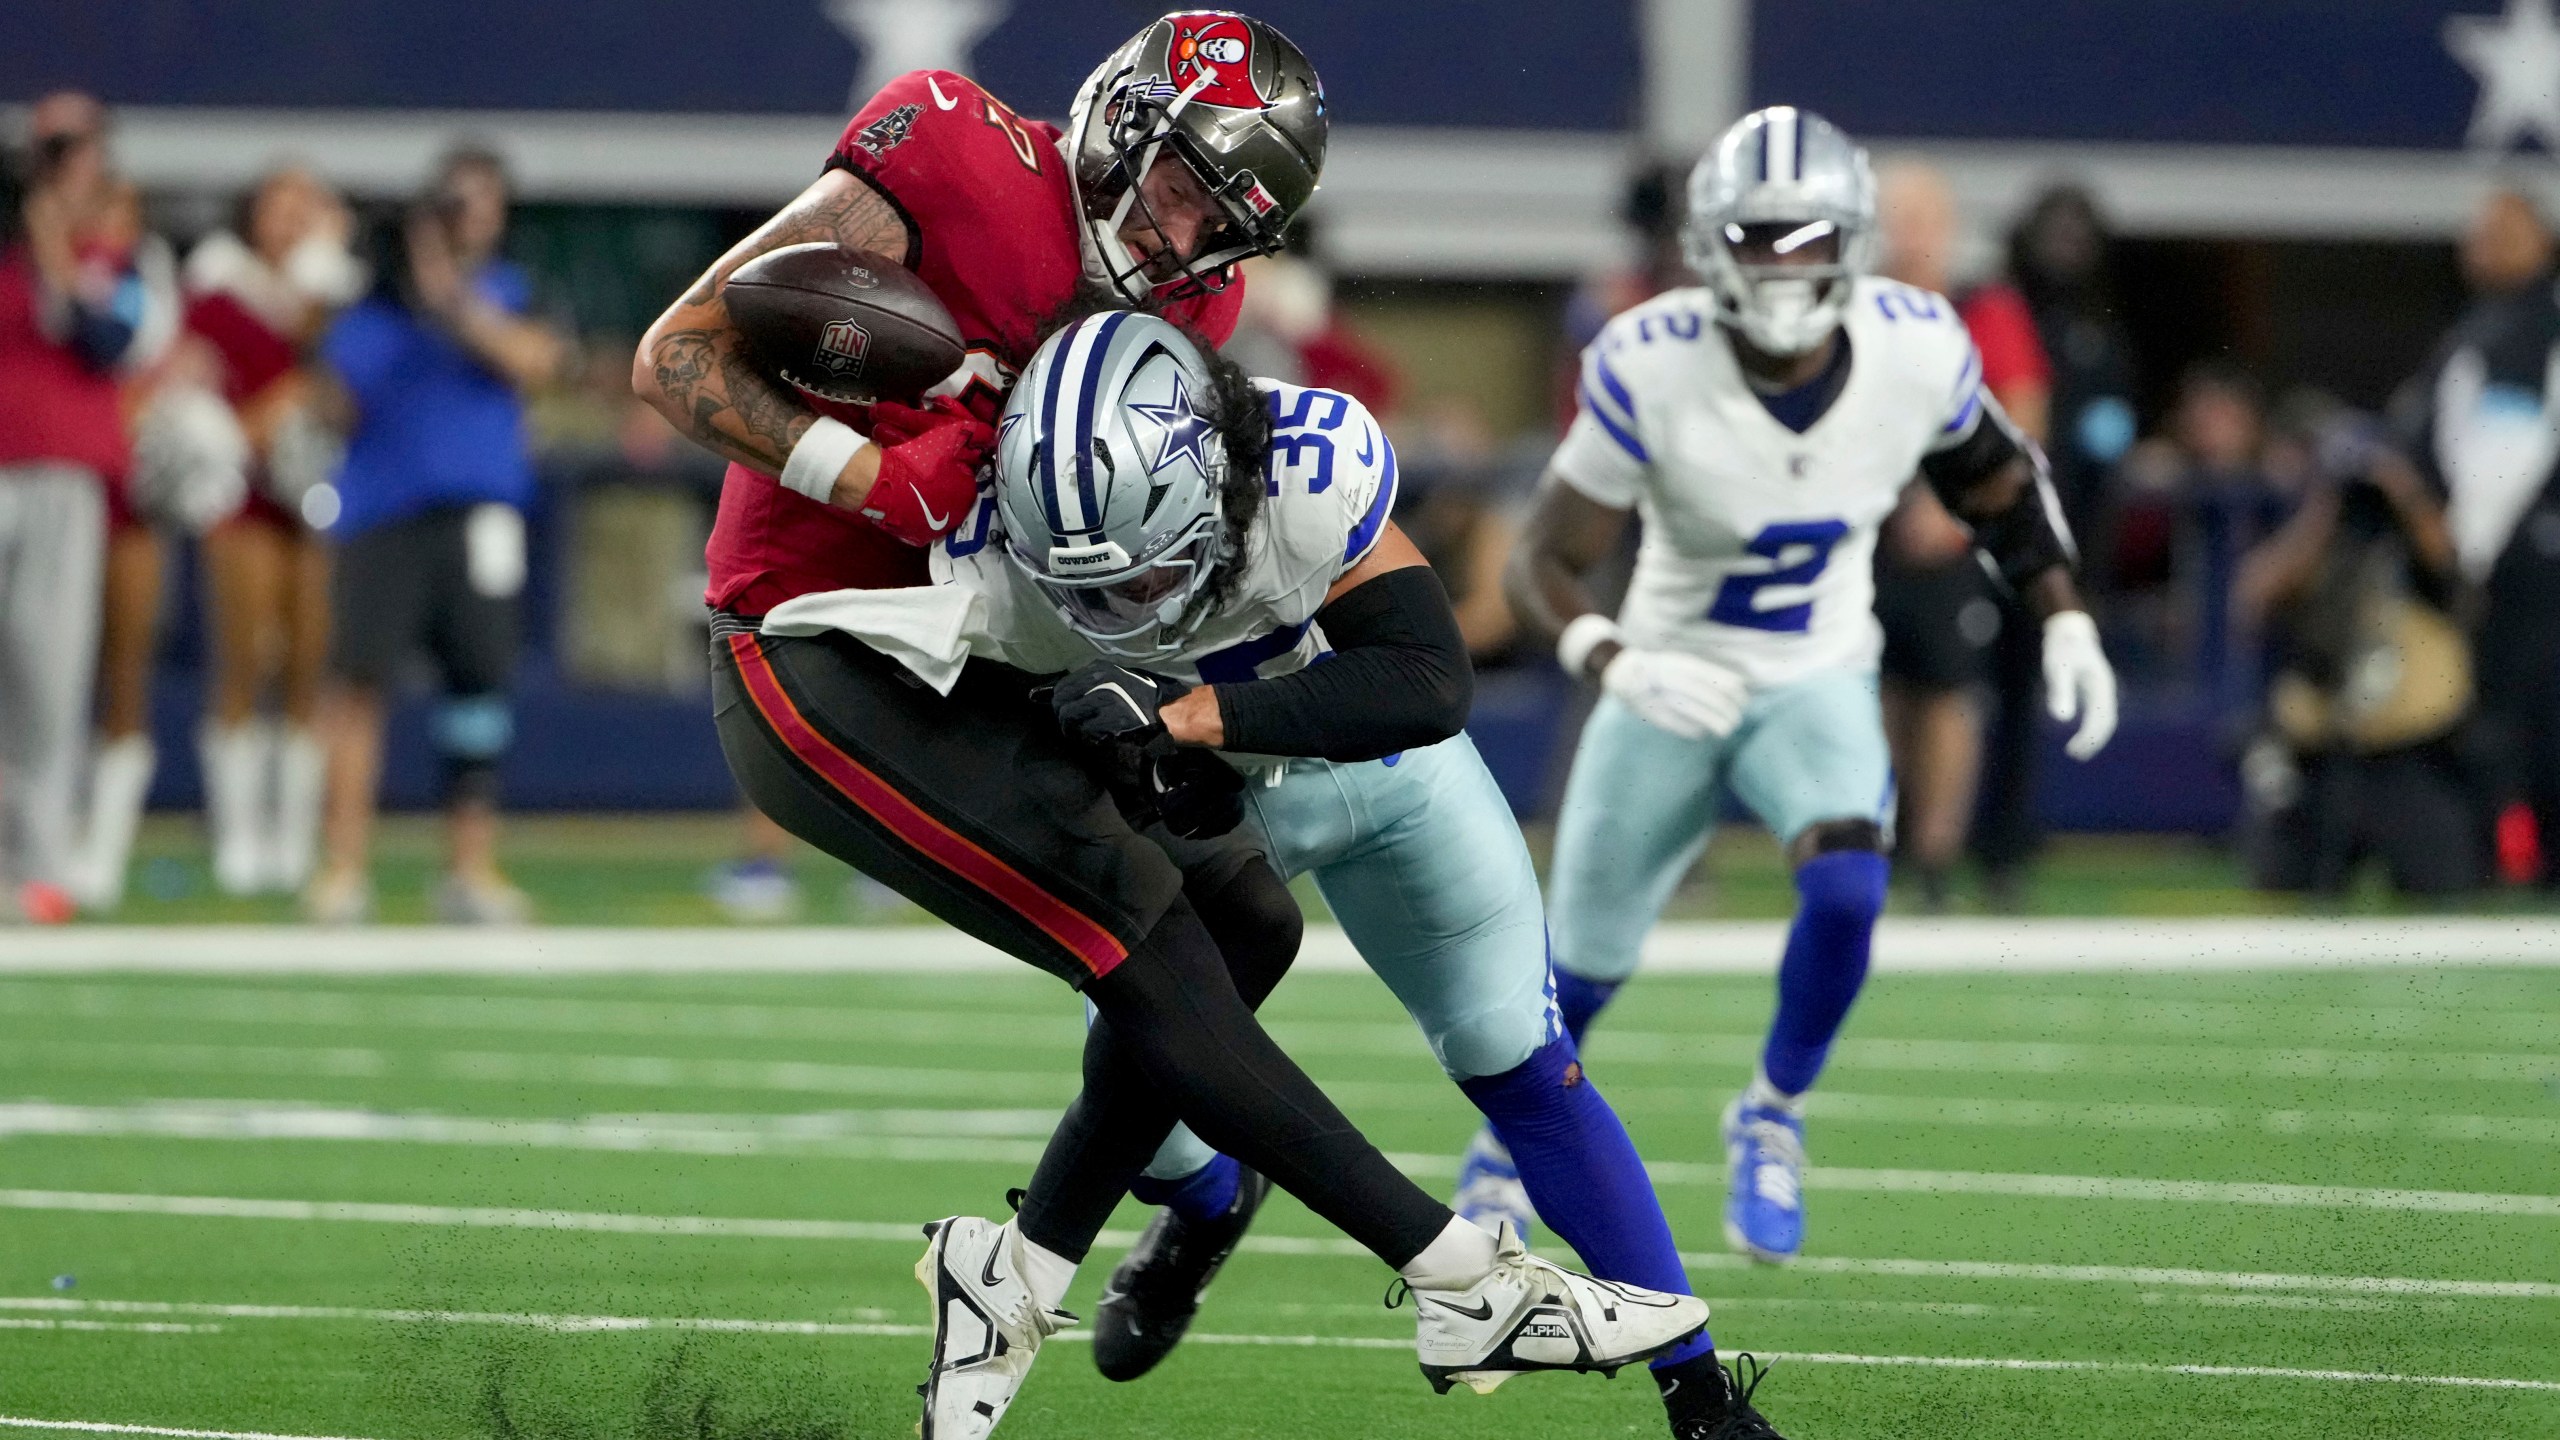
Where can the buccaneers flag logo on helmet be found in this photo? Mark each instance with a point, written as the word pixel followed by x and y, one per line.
pixel 1221 47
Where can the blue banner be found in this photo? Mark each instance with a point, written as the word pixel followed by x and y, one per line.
pixel 2383 73
pixel 1420 62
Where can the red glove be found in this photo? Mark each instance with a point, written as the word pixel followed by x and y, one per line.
pixel 929 461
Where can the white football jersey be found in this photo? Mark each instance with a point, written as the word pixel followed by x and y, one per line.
pixel 1327 492
pixel 1759 541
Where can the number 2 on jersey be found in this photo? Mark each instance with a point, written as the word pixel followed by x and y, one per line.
pixel 1737 599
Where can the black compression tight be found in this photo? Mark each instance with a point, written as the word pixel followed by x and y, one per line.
pixel 1176 1037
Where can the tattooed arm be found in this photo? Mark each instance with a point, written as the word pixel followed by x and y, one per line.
pixel 692 364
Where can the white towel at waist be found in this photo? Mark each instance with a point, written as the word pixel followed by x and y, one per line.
pixel 923 627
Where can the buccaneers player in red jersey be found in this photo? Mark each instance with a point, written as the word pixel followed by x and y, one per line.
pixel 1187 150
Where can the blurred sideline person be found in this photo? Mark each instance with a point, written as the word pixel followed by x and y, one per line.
pixel 230 442
pixel 2058 258
pixel 2372 674
pixel 1943 618
pixel 2482 424
pixel 1356 771
pixel 428 544
pixel 1184 152
pixel 78 314
pixel 1763 426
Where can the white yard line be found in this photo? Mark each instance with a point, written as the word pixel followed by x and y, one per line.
pixel 911 1233
pixel 598 1324
pixel 1918 944
pixel 133 1327
pixel 1016 1136
pixel 260 1123
pixel 102 1427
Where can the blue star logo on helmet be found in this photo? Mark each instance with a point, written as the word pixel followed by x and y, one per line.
pixel 1183 430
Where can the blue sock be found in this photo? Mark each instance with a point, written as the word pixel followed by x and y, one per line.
pixel 1201 1196
pixel 1583 1173
pixel 1842 892
pixel 1577 1000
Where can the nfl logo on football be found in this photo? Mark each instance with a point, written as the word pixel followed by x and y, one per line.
pixel 841 347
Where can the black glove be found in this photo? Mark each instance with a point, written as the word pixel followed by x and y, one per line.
pixel 1197 795
pixel 1104 702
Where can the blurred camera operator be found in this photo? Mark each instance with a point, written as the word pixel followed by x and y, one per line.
pixel 428 530
pixel 2356 594
pixel 84 301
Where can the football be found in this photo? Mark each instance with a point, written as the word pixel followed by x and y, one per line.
pixel 843 325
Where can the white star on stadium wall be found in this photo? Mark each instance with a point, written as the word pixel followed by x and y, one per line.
pixel 897 36
pixel 2516 58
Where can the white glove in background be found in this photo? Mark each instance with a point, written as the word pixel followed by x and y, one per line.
pixel 1680 693
pixel 2078 682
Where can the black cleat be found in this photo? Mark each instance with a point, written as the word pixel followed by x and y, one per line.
pixel 1739 1421
pixel 1149 1303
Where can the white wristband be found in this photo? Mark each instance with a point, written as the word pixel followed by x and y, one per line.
pixel 820 457
pixel 1582 636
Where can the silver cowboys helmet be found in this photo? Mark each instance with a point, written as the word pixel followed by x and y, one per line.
pixel 1108 477
pixel 1782 221
pixel 1230 96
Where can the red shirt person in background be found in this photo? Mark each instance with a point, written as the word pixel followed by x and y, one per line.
pixel 76 315
pixel 1943 623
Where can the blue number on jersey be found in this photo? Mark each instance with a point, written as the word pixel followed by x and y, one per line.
pixel 1917 304
pixel 974 532
pixel 1298 448
pixel 1736 597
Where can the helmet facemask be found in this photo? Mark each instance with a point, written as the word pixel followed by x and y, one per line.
pixel 1141 609
pixel 1783 283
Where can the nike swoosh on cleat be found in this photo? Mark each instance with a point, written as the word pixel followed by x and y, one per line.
pixel 1483 1309
pixel 990 1276
pixel 939 103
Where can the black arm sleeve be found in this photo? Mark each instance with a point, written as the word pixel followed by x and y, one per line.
pixel 2028 536
pixel 1398 679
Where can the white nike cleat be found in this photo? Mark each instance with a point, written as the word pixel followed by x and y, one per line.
pixel 1530 1315
pixel 986 1327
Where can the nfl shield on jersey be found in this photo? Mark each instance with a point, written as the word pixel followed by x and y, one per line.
pixel 1327 492
pixel 1758 540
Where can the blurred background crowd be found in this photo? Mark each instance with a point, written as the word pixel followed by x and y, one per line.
pixel 321 493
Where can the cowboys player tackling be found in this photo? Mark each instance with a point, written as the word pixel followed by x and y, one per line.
pixel 1763 425
pixel 1187 544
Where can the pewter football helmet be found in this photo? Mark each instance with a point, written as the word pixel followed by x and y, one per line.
pixel 1236 101
pixel 1782 222
pixel 1108 471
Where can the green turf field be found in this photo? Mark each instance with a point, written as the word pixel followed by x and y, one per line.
pixel 605 1207
pixel 650 869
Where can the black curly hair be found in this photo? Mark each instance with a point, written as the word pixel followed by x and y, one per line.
pixel 1243 421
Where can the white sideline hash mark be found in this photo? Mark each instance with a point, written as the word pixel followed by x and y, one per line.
pixel 595 1324
pixel 908 1233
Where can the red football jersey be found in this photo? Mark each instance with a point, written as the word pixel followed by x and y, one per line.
pixel 991 228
